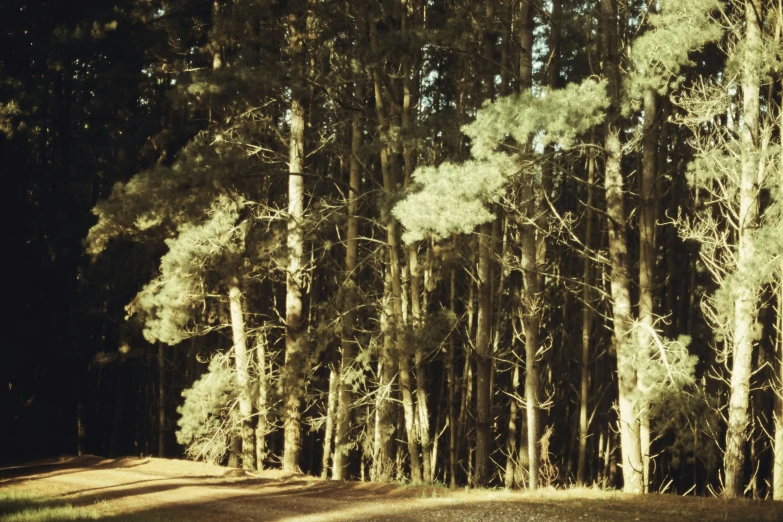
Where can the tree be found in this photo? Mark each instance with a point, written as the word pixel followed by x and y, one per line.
pixel 732 173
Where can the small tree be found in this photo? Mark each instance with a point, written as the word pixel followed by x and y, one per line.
pixel 207 418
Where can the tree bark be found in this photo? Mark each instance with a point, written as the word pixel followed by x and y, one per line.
pixel 483 357
pixel 633 479
pixel 745 295
pixel 647 256
pixel 331 407
pixel 587 320
pixel 777 474
pixel 511 436
pixel 243 378
pixel 292 379
pixel 347 344
pixel 530 260
pixel 409 160
pixel 262 424
pixel 161 401
pixel 452 384
pixel 395 320
pixel 217 50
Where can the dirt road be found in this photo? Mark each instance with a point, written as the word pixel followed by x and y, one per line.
pixel 188 491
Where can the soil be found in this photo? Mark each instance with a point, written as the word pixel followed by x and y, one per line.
pixel 190 491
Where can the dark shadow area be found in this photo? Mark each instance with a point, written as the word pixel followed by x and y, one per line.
pixel 45 469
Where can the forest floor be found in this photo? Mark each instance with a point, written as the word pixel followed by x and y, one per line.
pixel 130 489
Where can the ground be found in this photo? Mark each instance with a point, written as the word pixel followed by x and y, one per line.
pixel 152 489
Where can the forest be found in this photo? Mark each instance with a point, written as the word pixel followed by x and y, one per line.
pixel 502 244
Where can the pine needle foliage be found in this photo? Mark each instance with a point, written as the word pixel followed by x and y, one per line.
pixel 452 198
pixel 678 28
pixel 206 425
pixel 169 303
pixel 162 199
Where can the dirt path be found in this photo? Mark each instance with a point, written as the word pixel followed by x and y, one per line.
pixel 188 491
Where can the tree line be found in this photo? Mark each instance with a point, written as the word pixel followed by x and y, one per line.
pixel 514 242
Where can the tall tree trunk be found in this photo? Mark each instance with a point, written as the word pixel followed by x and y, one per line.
pixel 483 357
pixel 647 256
pixel 484 317
pixel 512 435
pixel 347 344
pixel 745 295
pixel 243 378
pixel 331 407
pixel 452 384
pixel 383 443
pixel 292 379
pixel 777 478
pixel 409 160
pixel 217 49
pixel 262 424
pixel 530 250
pixel 587 320
pixel 633 478
pixel 410 421
pixel 530 320
pixel 161 401
pixel 390 180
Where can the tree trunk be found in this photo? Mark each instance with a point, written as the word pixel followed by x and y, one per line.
pixel 292 378
pixel 383 464
pixel 347 344
pixel 217 50
pixel 530 319
pixel 483 358
pixel 161 401
pixel 408 409
pixel 745 298
pixel 452 384
pixel 633 479
pixel 409 160
pixel 243 378
pixel 331 407
pixel 647 256
pixel 395 320
pixel 81 426
pixel 262 425
pixel 587 320
pixel 511 436
pixel 530 260
pixel 777 479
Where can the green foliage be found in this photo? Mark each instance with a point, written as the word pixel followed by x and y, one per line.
pixel 721 165
pixel 205 425
pixel 167 197
pixel 678 402
pixel 168 303
pixel 553 117
pixel 664 367
pixel 451 198
pixel 716 174
pixel 680 27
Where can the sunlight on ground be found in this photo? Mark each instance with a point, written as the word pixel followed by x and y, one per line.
pixel 155 490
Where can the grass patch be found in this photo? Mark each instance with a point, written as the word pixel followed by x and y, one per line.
pixel 22 506
pixel 25 506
